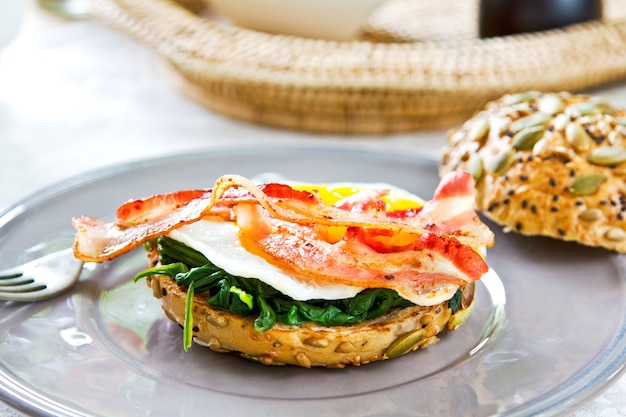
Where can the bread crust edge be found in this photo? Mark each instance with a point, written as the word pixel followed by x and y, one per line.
pixel 398 332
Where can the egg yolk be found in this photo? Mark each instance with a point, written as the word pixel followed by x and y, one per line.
pixel 331 194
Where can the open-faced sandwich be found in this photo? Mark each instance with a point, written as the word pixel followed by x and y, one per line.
pixel 308 275
pixel 550 164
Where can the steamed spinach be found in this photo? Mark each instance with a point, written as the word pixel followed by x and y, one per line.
pixel 252 297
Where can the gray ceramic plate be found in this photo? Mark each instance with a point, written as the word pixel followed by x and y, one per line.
pixel 545 337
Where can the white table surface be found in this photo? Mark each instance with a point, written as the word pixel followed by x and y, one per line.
pixel 77 96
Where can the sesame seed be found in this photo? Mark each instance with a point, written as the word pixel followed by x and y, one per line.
pixel 555 198
pixel 554 209
pixel 518 226
pixel 524 204
pixel 553 182
pixel 510 192
pixel 506 201
pixel 533 208
pixel 523 177
pixel 561 232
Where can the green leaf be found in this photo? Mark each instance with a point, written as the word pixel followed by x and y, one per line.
pixel 188 323
pixel 171 270
pixel 455 302
pixel 243 296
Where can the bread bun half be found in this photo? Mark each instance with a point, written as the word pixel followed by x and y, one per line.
pixel 396 333
pixel 551 164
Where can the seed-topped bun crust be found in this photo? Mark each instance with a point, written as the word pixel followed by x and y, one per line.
pixel 547 164
pixel 394 334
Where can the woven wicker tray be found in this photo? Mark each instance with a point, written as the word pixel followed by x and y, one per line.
pixel 419 64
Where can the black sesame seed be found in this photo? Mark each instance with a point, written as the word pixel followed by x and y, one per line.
pixel 533 208
pixel 603 203
pixel 195 329
pixel 553 182
pixel 506 201
pixel 518 226
pixel 561 232
pixel 554 209
pixel 510 192
pixel 524 204
pixel 572 173
pixel 555 198
pixel 523 177
pixel 579 202
pixel 163 292
pixel 620 216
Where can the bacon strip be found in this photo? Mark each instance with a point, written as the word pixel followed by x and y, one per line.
pixel 428 262
pixel 410 253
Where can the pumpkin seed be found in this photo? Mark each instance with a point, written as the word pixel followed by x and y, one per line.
pixel 608 155
pixel 404 343
pixel 615 234
pixel 537 119
pixel 511 99
pixel 587 108
pixel 475 166
pixel 540 149
pixel 587 184
pixel 459 317
pixel 527 137
pixel 502 161
pixel 577 136
pixel 479 130
pixel 591 215
pixel 550 104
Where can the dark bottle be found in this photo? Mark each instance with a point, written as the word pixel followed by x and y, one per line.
pixel 507 17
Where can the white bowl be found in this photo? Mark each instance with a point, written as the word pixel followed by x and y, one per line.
pixel 339 20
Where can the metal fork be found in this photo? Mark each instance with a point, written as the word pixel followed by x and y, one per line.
pixel 41 278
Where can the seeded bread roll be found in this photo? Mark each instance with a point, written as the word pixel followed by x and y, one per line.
pixel 394 334
pixel 547 164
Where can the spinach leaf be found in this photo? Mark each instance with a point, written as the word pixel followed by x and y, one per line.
pixel 250 296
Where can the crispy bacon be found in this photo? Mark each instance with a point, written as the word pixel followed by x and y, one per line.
pixel 426 263
pixel 411 251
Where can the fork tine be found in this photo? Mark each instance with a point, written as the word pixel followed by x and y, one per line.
pixel 26 287
pixel 19 280
pixel 24 296
pixel 7 274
